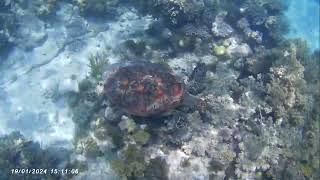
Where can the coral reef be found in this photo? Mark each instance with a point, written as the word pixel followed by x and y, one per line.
pixel 16 152
pixel 8 24
pixel 97 7
pixel 133 165
pixel 256 91
pixel 141 137
pixel 280 94
pixel 220 28
pixel 44 8
pixel 208 90
pixel 176 11
pixel 219 50
pixel 21 25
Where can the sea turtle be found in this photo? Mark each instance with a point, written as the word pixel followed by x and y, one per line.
pixel 146 89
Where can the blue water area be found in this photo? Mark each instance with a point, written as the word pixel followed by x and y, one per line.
pixel 303 16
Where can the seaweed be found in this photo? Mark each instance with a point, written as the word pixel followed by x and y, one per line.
pixel 97 64
pixel 264 105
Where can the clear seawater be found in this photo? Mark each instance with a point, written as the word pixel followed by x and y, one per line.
pixel 304 21
pixel 50 58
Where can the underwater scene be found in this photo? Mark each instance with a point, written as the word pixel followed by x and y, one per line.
pixel 159 90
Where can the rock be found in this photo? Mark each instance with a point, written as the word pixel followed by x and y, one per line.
pixel 249 33
pixel 76 27
pixel 178 168
pixel 238 51
pixel 220 28
pixel 110 114
pixel 127 124
pixel 184 64
pixel 243 23
pixel 44 8
pixel 209 59
pixel 97 8
pixel 225 134
pixel 198 31
pixel 199 147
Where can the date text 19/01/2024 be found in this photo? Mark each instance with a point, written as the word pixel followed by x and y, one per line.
pixel 40 171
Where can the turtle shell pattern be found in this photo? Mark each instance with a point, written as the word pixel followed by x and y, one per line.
pixel 144 89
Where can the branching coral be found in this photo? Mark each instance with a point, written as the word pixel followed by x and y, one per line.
pixel 286 90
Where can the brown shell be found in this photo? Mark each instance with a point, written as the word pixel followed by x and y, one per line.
pixel 144 89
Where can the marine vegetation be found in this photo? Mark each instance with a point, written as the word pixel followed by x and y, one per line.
pixel 97 64
pixel 188 89
pixel 141 137
pixel 229 92
pixel 16 152
pixel 133 165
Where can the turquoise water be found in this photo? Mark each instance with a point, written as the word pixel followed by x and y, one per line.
pixel 303 16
